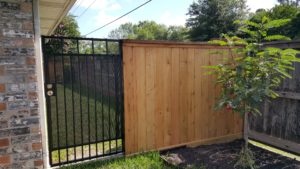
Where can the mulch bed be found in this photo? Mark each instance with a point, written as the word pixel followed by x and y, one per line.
pixel 224 156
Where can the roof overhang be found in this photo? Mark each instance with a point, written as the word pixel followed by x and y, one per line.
pixel 52 12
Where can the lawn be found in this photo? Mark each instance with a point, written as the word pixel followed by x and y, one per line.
pixel 146 161
pixel 84 116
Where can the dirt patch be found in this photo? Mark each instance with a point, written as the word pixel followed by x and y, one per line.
pixel 224 156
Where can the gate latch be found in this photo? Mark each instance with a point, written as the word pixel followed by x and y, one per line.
pixel 50 88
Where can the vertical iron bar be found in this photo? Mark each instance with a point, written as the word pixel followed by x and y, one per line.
pixel 109 134
pixel 116 99
pixel 73 107
pixel 102 109
pixel 48 100
pixel 88 96
pixel 56 107
pixel 95 98
pixel 80 99
pixel 65 104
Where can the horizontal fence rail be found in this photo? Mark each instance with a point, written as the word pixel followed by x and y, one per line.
pixel 84 96
pixel 169 98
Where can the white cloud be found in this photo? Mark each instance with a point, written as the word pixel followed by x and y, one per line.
pixel 257 4
pixel 168 19
pixel 103 18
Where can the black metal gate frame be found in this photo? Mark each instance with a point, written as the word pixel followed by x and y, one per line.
pixel 119 100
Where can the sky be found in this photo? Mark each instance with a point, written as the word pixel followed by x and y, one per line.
pixel 168 12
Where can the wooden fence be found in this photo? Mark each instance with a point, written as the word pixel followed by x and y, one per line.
pixel 280 123
pixel 169 98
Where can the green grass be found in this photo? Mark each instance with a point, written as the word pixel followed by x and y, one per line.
pixel 145 161
pixel 107 146
pixel 85 122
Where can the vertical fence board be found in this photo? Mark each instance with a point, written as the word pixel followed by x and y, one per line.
pixel 175 97
pixel 139 54
pixel 169 99
pixel 150 95
pixel 130 106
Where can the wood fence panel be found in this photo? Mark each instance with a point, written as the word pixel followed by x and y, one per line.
pixel 169 99
pixel 279 124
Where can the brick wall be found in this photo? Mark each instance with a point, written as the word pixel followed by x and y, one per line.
pixel 20 137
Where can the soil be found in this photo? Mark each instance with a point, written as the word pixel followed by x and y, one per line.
pixel 224 156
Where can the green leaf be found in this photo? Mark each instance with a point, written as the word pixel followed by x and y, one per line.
pixel 276 23
pixel 247 31
pixel 265 19
pixel 276 37
pixel 218 42
pixel 211 67
pixel 250 23
pixel 284 73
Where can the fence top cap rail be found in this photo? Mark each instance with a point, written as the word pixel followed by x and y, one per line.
pixel 166 42
pixel 82 38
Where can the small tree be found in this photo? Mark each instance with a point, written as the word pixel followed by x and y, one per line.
pixel 250 78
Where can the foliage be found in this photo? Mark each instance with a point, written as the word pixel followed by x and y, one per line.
pixel 250 78
pixel 209 18
pixel 295 31
pixel 148 30
pixel 67 27
pixel 283 11
pixel 290 2
pixel 177 33
pixel 246 159
pixel 124 31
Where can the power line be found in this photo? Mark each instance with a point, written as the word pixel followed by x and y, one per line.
pixel 78 5
pixel 86 9
pixel 117 18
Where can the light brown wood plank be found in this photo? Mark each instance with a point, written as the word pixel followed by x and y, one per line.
pixel 175 117
pixel 129 100
pixel 191 93
pixel 183 98
pixel 139 55
pixel 150 96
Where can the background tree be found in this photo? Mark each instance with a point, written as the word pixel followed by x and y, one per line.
pixel 290 2
pixel 209 18
pixel 148 30
pixel 177 33
pixel 124 31
pixel 67 27
pixel 283 11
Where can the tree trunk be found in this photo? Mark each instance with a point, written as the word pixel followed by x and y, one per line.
pixel 246 129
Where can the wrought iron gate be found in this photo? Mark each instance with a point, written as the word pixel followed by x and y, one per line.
pixel 84 97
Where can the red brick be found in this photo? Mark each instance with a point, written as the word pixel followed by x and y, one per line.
pixel 27 25
pixel 30 61
pixel 38 163
pixel 32 95
pixel 36 146
pixel 4 142
pixel 26 7
pixel 31 78
pixel 2 106
pixel 4 160
pixel 2 88
pixel 28 42
pixel 35 130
